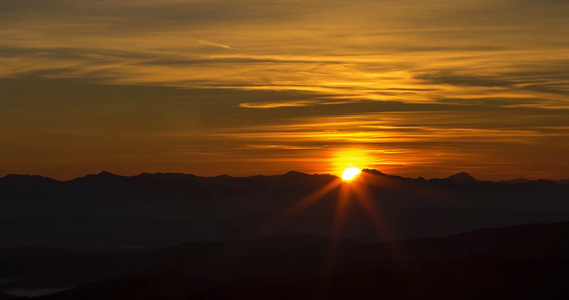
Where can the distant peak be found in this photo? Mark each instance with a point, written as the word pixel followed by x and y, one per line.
pixel 12 177
pixel 516 181
pixel 102 176
pixel 294 173
pixel 461 177
pixel 106 174
pixel 372 171
pixel 15 176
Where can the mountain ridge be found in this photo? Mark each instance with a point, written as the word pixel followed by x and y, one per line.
pixel 114 209
pixel 460 177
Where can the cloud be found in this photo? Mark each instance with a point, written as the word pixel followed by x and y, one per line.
pixel 362 50
pixel 208 43
pixel 463 80
pixel 281 147
pixel 492 101
pixel 265 105
pixel 548 89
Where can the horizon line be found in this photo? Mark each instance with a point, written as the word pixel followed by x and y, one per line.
pixel 105 172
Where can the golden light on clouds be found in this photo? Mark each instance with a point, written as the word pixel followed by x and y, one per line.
pixel 352 159
pixel 209 86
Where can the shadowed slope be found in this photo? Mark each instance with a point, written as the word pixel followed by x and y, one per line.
pixel 512 263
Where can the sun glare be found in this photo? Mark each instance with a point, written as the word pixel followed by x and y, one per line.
pixel 350 173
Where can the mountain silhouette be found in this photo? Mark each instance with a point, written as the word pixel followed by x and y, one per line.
pixel 106 174
pixel 461 177
pixel 516 181
pixel 179 236
pixel 509 263
pixel 163 209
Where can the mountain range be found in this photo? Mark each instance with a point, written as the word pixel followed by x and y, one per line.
pixel 156 210
pixel 180 236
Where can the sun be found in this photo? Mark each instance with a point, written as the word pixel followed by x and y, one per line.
pixel 350 173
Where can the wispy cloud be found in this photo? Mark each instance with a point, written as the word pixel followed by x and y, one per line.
pixel 208 43
pixel 295 103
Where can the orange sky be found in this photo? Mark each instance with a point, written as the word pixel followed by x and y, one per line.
pixel 413 88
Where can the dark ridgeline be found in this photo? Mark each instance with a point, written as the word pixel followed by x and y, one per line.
pixel 177 236
pixel 157 210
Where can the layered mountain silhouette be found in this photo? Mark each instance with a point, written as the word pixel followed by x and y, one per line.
pixel 180 236
pixel 155 210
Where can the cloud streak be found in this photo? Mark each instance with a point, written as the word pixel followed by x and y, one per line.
pixel 208 43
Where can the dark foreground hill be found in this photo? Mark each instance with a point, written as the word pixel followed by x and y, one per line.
pixel 158 210
pixel 522 262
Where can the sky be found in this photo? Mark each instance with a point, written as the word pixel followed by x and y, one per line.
pixel 412 88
